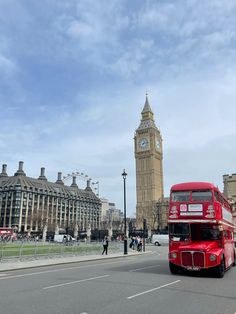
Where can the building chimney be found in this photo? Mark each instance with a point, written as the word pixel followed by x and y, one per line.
pixel 59 180
pixel 4 171
pixel 74 184
pixel 88 188
pixel 20 171
pixel 42 175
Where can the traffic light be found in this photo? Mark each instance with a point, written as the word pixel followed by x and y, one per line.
pixel 144 224
pixel 145 227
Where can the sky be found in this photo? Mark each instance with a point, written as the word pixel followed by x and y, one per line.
pixel 74 76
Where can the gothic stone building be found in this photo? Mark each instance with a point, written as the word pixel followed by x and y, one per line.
pixel 230 191
pixel 31 204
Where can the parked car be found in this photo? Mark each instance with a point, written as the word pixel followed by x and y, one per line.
pixel 160 239
pixel 63 238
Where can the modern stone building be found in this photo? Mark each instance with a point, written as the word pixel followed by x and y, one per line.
pixel 36 205
pixel 230 191
pixel 110 213
pixel 149 169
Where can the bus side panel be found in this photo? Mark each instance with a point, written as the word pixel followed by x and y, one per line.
pixel 229 252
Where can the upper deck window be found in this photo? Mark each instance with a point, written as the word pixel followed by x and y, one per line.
pixel 181 196
pixel 201 196
pixel 195 196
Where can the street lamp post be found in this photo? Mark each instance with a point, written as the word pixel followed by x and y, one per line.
pixel 124 174
pixel 68 217
pixel 67 222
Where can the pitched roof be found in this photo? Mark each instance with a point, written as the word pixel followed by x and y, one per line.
pixel 47 187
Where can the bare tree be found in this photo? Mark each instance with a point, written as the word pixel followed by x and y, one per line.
pixel 38 220
pixel 159 215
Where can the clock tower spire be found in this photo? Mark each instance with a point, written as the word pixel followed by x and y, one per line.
pixel 149 170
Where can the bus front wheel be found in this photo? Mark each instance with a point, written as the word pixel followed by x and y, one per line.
pixel 220 270
pixel 174 269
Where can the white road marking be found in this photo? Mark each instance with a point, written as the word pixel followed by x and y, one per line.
pixel 151 290
pixel 143 268
pixel 72 282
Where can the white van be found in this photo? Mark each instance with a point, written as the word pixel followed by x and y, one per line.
pixel 160 239
pixel 63 238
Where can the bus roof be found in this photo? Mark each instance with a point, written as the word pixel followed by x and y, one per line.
pixel 193 186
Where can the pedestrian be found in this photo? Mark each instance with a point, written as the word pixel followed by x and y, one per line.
pixel 105 245
pixel 131 245
pixel 140 245
pixel 136 243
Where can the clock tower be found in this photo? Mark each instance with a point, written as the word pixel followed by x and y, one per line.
pixel 149 171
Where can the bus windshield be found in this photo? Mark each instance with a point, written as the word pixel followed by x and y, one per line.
pixel 179 231
pixel 204 232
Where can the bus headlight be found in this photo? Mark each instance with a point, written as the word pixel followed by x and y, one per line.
pixel 212 257
pixel 173 255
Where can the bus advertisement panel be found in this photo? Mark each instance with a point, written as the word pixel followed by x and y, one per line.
pixel 200 229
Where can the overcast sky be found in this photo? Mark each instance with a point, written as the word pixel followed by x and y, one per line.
pixel 73 79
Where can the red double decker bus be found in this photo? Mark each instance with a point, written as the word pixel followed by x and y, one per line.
pixel 200 229
pixel 7 234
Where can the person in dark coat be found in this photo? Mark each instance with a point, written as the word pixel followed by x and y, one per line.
pixel 105 245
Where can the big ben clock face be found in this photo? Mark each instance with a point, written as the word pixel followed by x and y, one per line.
pixel 158 144
pixel 143 143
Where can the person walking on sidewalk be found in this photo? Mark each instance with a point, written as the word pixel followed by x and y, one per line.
pixel 105 245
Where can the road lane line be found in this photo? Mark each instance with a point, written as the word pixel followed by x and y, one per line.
pixel 151 290
pixel 143 268
pixel 72 282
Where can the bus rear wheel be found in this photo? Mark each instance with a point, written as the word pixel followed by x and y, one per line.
pixel 234 259
pixel 174 269
pixel 220 270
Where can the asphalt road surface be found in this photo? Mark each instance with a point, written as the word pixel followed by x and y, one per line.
pixel 135 284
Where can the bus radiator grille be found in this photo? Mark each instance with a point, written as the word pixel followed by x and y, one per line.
pixel 198 259
pixel 193 259
pixel 187 259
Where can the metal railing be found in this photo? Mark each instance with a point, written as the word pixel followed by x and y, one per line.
pixel 36 250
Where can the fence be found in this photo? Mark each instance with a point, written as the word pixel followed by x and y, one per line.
pixel 36 250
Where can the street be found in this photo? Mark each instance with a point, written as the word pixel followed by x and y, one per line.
pixel 135 284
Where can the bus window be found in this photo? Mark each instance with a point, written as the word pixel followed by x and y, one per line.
pixel 217 196
pixel 181 196
pixel 225 235
pixel 179 231
pixel 201 196
pixel 221 200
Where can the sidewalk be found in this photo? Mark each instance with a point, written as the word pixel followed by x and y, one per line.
pixel 23 264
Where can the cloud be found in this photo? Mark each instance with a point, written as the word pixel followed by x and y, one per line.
pixel 131 59
pixel 7 66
